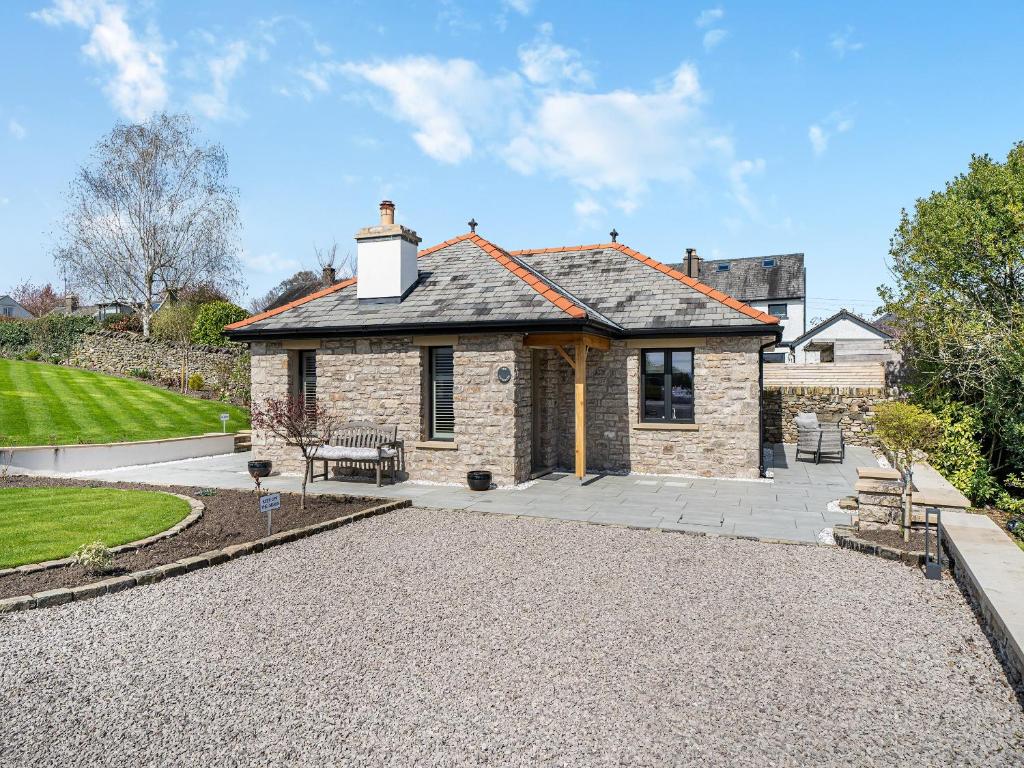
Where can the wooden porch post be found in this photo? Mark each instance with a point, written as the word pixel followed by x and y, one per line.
pixel 581 408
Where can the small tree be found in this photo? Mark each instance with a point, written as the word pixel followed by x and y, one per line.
pixel 173 324
pixel 37 299
pixel 303 425
pixel 905 429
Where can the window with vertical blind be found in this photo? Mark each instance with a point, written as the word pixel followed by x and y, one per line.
pixel 666 386
pixel 441 391
pixel 307 379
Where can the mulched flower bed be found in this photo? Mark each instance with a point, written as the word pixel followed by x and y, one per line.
pixel 894 539
pixel 231 517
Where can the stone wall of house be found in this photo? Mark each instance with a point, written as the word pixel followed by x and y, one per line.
pixel 380 380
pixel 850 407
pixel 724 442
pixel 128 354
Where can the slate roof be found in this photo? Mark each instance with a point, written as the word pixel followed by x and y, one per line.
pixel 842 314
pixel 468 281
pixel 749 280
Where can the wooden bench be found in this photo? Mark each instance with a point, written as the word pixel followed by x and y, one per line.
pixel 361 445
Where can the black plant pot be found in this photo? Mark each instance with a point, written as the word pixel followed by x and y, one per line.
pixel 260 468
pixel 479 480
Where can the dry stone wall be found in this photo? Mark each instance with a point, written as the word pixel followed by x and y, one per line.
pixel 850 407
pixel 122 353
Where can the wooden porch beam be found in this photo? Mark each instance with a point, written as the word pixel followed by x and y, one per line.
pixel 565 356
pixel 581 409
pixel 546 340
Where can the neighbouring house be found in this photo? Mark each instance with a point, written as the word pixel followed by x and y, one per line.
pixel 776 285
pixel 844 338
pixel 96 311
pixel 12 309
pixel 593 358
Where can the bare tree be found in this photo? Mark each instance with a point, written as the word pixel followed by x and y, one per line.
pixel 298 424
pixel 152 213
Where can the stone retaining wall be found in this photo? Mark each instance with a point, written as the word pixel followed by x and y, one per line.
pixel 121 353
pixel 850 407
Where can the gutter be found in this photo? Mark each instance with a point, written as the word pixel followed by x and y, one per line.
pixel 760 399
pixel 478 326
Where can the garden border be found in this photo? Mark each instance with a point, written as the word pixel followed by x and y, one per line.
pixel 197 509
pixel 63 595
pixel 846 538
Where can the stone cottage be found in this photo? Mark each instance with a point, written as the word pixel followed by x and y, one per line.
pixel 592 358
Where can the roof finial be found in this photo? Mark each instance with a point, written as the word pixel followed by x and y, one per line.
pixel 615 235
pixel 472 225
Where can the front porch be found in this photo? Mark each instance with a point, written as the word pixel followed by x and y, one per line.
pixel 793 507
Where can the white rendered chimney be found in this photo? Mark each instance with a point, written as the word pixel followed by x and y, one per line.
pixel 385 259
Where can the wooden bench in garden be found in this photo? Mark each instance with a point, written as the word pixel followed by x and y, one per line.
pixel 361 445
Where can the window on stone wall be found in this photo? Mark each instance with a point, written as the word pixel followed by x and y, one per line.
pixel 666 385
pixel 441 394
pixel 307 379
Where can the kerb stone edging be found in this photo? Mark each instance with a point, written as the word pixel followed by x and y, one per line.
pixel 846 537
pixel 185 565
pixel 197 508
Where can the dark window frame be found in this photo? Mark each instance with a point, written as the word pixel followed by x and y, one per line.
pixel 723 267
pixel 432 433
pixel 768 263
pixel 667 386
pixel 784 315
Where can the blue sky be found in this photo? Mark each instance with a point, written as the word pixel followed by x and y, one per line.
pixel 740 129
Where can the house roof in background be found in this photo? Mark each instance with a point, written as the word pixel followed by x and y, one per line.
pixel 842 314
pixel 749 280
pixel 469 281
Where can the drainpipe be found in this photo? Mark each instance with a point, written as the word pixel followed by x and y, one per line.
pixel 760 399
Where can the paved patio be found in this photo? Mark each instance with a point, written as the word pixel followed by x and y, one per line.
pixel 793 507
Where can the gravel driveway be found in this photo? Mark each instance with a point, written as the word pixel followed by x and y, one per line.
pixel 449 638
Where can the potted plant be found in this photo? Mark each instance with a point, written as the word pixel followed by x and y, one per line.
pixel 479 480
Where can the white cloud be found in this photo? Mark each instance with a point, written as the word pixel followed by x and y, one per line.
pixel 445 101
pixel 221 69
pixel 819 139
pixel 546 63
pixel 16 129
pixel 136 87
pixel 588 209
pixel 269 263
pixel 713 37
pixel 709 16
pixel 611 146
pixel 843 43
pixel 738 172
pixel 822 131
pixel 619 141
pixel 4 201
pixel 522 7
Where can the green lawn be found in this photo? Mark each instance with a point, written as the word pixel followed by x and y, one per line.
pixel 49 523
pixel 44 404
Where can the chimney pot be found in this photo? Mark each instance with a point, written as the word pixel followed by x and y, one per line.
pixel 386 259
pixel 387 212
pixel 328 276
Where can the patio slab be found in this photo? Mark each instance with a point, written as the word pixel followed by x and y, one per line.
pixel 791 507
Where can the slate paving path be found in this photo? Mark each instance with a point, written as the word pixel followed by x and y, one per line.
pixel 792 507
